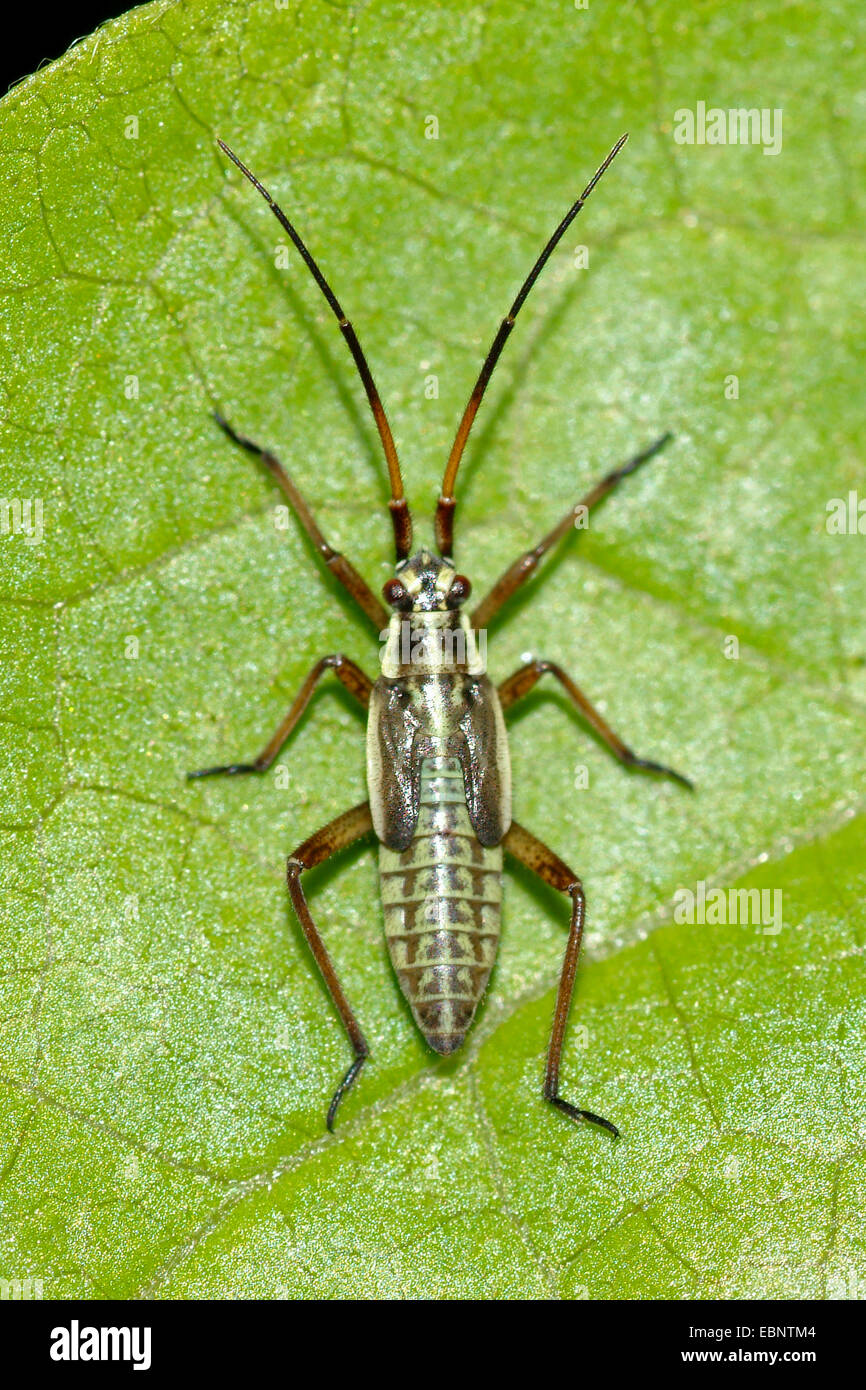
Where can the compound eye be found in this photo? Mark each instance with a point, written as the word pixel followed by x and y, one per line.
pixel 395 595
pixel 459 591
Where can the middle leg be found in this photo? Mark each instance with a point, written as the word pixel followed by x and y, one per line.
pixel 356 681
pixel 523 680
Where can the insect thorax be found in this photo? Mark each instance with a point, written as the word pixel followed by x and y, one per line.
pixel 427 644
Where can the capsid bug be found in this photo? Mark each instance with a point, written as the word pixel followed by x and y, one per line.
pixel 438 769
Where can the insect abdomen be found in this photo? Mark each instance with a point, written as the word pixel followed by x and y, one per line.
pixel 442 900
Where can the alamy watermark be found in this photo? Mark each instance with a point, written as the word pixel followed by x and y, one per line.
pixel 24 1289
pixel 77 1343
pixel 738 125
pixel 436 648
pixel 22 516
pixel 745 907
pixel 846 516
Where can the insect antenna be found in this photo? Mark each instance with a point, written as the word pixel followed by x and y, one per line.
pixel 447 501
pixel 398 505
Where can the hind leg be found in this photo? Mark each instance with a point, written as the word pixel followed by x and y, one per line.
pixel 542 861
pixel 337 835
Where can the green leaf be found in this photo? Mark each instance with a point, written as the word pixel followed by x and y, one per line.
pixel 168 1047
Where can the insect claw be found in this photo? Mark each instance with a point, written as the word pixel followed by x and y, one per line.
pixel 239 439
pixel 646 765
pixel 675 776
pixel 341 1090
pixel 215 771
pixel 678 777
pixel 574 1114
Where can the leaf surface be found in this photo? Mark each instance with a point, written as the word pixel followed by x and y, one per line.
pixel 168 1049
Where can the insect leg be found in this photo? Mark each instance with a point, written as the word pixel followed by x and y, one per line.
pixel 525 677
pixel 339 566
pixel 339 833
pixel 542 861
pixel 517 573
pixel 356 681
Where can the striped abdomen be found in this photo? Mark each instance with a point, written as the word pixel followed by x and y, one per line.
pixel 442 899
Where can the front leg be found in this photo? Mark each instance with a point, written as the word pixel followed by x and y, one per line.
pixel 523 680
pixel 339 566
pixel 526 564
pixel 356 681
pixel 535 855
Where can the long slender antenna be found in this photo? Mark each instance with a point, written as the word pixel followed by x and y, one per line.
pixel 447 501
pixel 398 505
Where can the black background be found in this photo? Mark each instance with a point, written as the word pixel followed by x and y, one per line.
pixel 563 1344
pixel 39 33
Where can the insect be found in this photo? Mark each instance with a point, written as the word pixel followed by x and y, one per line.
pixel 438 768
